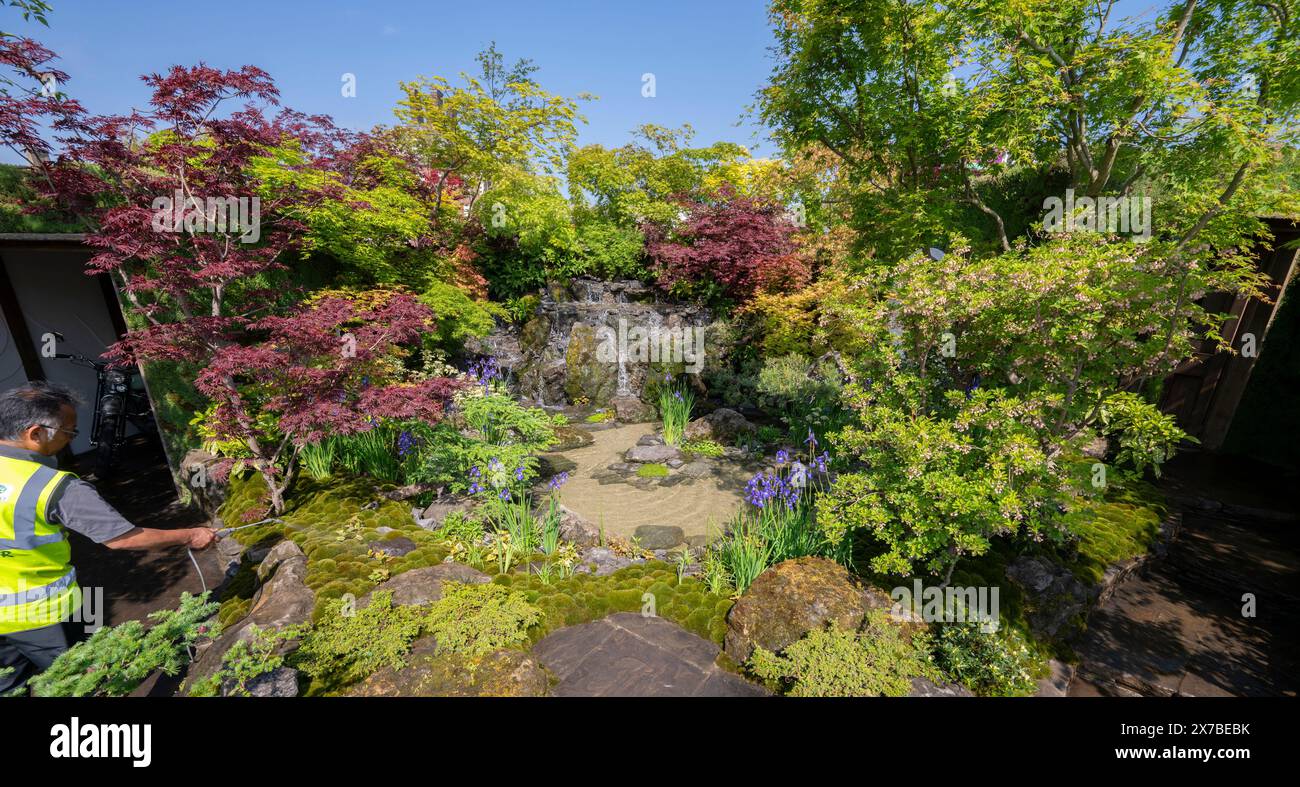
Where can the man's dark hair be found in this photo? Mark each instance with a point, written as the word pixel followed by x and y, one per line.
pixel 37 403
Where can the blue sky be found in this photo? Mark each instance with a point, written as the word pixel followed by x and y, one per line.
pixel 708 56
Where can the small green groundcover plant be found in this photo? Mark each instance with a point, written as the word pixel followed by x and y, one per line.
pixel 702 447
pixel 349 644
pixel 878 661
pixel 987 663
pixel 246 660
pixel 115 660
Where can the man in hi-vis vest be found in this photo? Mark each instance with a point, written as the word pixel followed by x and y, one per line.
pixel 38 587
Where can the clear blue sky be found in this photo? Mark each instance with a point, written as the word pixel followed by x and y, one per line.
pixel 708 56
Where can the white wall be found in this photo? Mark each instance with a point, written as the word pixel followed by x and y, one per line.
pixel 56 295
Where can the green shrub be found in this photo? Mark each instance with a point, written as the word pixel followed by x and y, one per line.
pixel 245 660
pixel 117 659
pixel 476 619
pixel 988 663
pixel 836 663
pixel 459 317
pixel 348 644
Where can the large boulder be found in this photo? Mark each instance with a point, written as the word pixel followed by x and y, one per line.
pixel 502 673
pixel 723 425
pixel 631 410
pixel 587 376
pixel 577 530
pixel 424 585
pixel 791 599
pixel 1054 596
pixel 434 514
pixel 282 601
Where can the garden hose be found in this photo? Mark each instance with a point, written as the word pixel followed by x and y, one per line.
pixel 222 533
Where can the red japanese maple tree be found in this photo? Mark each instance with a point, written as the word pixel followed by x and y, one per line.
pixel 737 246
pixel 157 186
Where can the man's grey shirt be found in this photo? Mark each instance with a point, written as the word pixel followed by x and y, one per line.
pixel 75 504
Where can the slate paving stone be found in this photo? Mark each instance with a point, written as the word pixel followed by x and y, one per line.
pixel 630 655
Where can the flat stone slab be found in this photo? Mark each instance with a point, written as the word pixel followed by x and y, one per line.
pixel 630 655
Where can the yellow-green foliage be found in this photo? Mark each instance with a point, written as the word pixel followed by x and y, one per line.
pixel 836 663
pixel 652 470
pixel 347 644
pixel 317 514
pixel 1123 526
pixel 478 619
pixel 583 598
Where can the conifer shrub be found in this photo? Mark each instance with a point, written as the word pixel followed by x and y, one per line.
pixel 117 659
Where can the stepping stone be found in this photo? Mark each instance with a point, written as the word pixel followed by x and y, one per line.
pixel 659 536
pixel 630 655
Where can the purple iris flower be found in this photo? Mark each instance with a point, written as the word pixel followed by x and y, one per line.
pixel 406 443
pixel 559 480
pixel 504 494
pixel 519 473
pixel 782 456
pixel 821 461
pixel 811 442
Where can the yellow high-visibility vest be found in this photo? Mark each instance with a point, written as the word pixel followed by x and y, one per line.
pixel 38 585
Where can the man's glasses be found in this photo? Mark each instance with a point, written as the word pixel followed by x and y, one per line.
pixel 73 432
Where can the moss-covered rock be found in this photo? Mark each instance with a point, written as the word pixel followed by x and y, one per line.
pixel 428 673
pixel 587 376
pixel 791 599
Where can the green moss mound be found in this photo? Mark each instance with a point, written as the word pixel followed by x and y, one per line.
pixel 329 522
pixel 652 470
pixel 583 598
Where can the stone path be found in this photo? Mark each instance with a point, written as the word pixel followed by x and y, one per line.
pixel 1178 627
pixel 628 655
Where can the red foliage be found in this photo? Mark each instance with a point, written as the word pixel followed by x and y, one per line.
pixel 210 294
pixel 742 246
pixel 317 371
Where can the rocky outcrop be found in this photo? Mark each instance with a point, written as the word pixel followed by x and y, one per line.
pixel 652 453
pixel 424 585
pixel 791 599
pixel 576 530
pixel 502 673
pixel 556 357
pixel 279 682
pixel 631 410
pixel 723 425
pixel 1054 596
pixel 283 600
pixel 434 514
